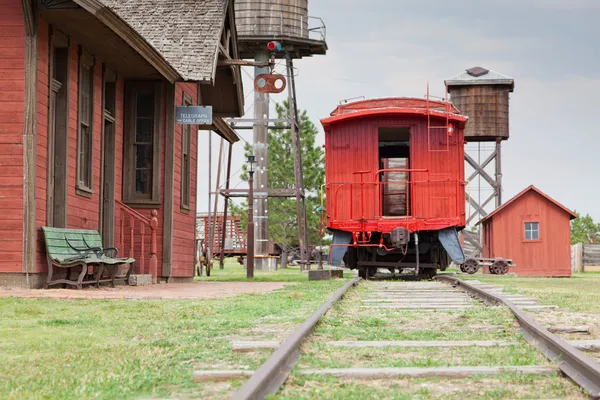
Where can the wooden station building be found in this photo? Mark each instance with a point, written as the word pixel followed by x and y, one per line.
pixel 534 231
pixel 88 138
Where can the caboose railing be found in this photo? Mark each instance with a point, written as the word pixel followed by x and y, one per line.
pixel 341 203
pixel 137 238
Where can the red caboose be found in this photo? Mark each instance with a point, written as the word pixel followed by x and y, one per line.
pixel 394 171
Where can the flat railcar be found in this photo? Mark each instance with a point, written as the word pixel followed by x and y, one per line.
pixel 395 188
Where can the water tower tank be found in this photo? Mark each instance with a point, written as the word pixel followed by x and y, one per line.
pixel 482 95
pixel 287 21
pixel 272 18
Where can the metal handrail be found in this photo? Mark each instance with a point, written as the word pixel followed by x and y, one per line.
pixel 320 29
pixel 336 186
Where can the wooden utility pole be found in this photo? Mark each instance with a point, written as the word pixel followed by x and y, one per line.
pixel 250 236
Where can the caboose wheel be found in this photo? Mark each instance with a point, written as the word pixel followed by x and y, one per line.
pixel 470 266
pixel 499 267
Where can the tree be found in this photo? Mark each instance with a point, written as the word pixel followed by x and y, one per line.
pixel 283 228
pixel 585 230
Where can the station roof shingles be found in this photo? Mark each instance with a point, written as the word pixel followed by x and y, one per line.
pixel 186 33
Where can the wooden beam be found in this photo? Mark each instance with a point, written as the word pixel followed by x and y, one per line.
pixel 435 372
pixel 418 343
pixel 221 375
pixel 169 181
pixel 387 373
pixel 570 329
pixel 475 243
pixel 29 139
pixel 249 346
pixel 586 345
pixel 481 171
pixel 421 307
pixel 483 165
pixel 229 62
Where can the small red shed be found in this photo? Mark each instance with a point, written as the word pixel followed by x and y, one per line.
pixel 534 231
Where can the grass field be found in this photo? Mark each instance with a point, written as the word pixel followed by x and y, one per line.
pixel 120 349
pixel 579 293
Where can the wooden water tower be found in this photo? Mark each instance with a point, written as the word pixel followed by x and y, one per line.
pixel 258 23
pixel 483 95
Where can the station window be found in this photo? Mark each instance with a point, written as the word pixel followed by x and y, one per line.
pixel 141 150
pixel 532 231
pixel 85 143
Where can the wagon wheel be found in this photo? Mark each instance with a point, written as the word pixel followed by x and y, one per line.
pixel 499 267
pixel 470 266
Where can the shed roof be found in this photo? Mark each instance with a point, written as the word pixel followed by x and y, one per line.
pixel 185 33
pixel 480 76
pixel 519 195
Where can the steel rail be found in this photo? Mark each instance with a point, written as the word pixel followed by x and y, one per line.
pixel 572 362
pixel 273 373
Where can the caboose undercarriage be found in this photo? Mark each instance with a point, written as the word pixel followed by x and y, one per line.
pixel 416 255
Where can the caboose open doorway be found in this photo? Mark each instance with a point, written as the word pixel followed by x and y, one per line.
pixel 394 154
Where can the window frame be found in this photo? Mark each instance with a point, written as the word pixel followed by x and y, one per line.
pixel 539 235
pixel 130 197
pixel 186 145
pixel 86 64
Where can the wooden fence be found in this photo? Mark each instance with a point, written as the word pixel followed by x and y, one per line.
pixel 585 257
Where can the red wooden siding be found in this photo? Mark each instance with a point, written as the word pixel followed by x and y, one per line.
pixel 352 146
pixel 184 223
pixel 82 211
pixel 549 256
pixel 12 95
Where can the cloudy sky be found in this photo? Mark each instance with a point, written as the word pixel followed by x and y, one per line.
pixel 393 48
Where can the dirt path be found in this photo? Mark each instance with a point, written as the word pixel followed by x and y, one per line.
pixel 196 290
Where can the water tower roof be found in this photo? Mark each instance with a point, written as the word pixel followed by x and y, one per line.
pixel 480 76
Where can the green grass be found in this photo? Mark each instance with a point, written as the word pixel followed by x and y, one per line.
pixel 579 293
pixel 234 272
pixel 120 349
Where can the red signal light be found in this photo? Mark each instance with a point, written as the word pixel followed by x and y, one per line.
pixel 274 46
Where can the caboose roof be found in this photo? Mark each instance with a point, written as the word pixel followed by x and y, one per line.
pixel 394 106
pixel 480 76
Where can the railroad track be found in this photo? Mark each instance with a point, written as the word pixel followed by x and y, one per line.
pixel 426 339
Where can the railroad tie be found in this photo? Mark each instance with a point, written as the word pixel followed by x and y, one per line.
pixel 386 373
pixel 250 346
pixel 428 372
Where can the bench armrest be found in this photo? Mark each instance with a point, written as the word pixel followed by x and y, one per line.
pixel 107 249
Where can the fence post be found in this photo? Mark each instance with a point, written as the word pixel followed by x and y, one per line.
pixel 577 257
pixel 153 260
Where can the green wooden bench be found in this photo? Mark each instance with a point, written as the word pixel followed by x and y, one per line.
pixel 81 248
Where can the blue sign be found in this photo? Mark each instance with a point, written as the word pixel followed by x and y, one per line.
pixel 193 115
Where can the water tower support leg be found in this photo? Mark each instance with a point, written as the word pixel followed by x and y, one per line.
pixel 261 181
pixel 498 173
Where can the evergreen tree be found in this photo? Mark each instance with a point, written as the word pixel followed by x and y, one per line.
pixel 584 230
pixel 283 229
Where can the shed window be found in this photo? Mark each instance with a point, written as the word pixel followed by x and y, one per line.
pixel 532 231
pixel 85 142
